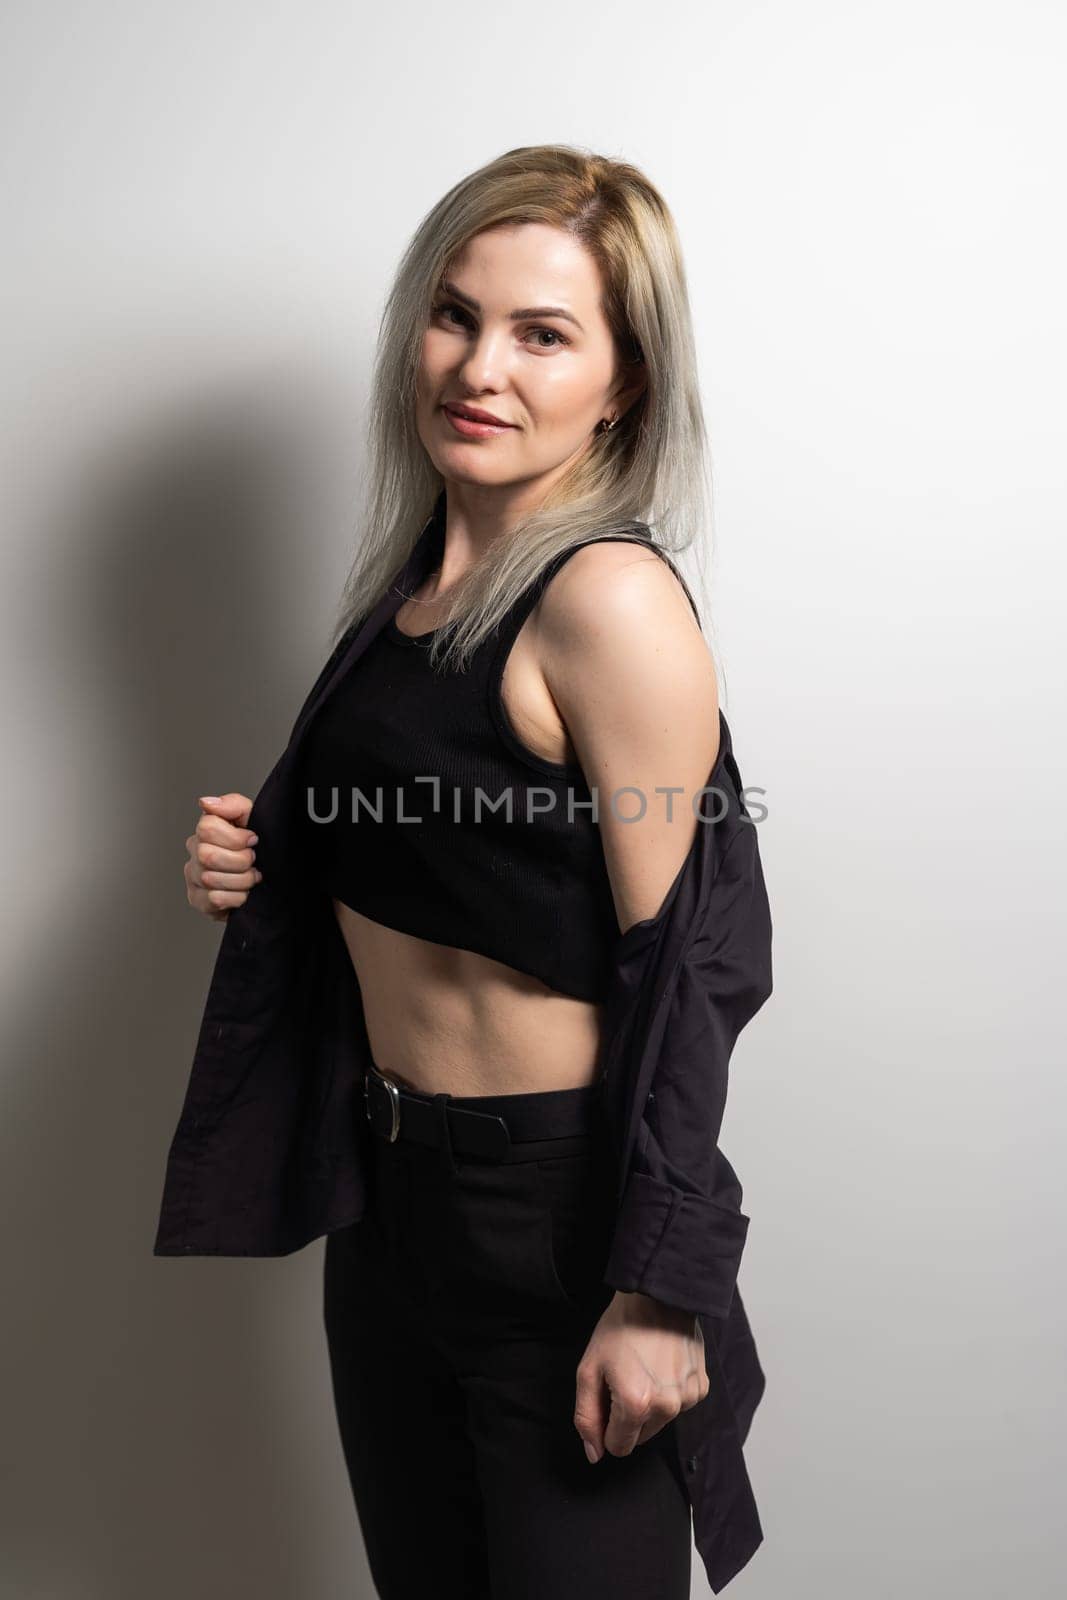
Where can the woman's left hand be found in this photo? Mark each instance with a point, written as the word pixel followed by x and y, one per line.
pixel 643 1365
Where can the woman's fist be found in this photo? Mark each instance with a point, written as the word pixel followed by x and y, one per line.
pixel 221 867
pixel 643 1365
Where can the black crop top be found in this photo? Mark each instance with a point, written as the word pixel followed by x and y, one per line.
pixel 426 763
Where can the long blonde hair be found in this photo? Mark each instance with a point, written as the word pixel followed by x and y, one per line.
pixel 653 467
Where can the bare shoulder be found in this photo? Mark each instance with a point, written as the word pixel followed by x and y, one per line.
pixel 611 585
pixel 626 663
pixel 634 681
pixel 615 613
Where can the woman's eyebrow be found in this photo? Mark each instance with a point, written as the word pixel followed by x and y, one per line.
pixel 514 316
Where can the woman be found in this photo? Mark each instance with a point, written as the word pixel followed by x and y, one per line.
pixel 506 1417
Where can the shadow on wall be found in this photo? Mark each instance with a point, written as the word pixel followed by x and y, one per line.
pixel 168 1424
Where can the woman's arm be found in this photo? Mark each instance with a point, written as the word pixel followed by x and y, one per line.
pixel 634 681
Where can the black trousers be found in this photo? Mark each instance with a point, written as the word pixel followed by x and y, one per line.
pixel 456 1312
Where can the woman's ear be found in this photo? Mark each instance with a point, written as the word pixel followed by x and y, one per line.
pixel 631 386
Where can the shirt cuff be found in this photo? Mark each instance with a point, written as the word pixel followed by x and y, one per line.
pixel 676 1247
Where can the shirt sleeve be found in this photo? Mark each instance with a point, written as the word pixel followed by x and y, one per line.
pixel 680 1230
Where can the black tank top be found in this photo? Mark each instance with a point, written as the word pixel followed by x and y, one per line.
pixel 426 762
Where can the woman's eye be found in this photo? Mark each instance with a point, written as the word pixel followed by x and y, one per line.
pixel 446 307
pixel 553 334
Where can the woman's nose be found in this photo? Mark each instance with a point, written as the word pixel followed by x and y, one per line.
pixel 484 364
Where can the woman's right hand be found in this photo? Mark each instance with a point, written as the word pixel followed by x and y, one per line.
pixel 221 867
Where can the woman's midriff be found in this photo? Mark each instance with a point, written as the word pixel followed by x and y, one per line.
pixel 442 1020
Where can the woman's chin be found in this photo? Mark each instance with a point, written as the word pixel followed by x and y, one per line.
pixel 463 466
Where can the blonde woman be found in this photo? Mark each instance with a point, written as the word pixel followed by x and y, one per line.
pixel 507 1411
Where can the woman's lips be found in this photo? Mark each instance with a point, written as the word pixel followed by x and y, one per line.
pixel 467 428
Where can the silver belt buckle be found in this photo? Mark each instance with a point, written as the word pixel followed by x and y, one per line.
pixel 394 1099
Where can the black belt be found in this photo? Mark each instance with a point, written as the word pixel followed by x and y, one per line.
pixel 548 1119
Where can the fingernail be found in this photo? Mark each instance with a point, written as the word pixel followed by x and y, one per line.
pixel 253 838
pixel 210 797
pixel 590 1452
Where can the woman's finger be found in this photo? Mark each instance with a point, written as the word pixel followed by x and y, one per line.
pixel 210 879
pixel 219 859
pixel 225 899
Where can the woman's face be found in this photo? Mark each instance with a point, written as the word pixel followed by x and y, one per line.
pixel 517 331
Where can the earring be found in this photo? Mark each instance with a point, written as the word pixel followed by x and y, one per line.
pixel 606 426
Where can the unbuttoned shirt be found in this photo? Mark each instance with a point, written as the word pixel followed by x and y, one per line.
pixel 271 1148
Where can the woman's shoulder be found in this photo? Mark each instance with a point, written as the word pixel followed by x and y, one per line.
pixel 613 584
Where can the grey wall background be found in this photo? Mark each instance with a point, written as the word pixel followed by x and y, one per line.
pixel 204 206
